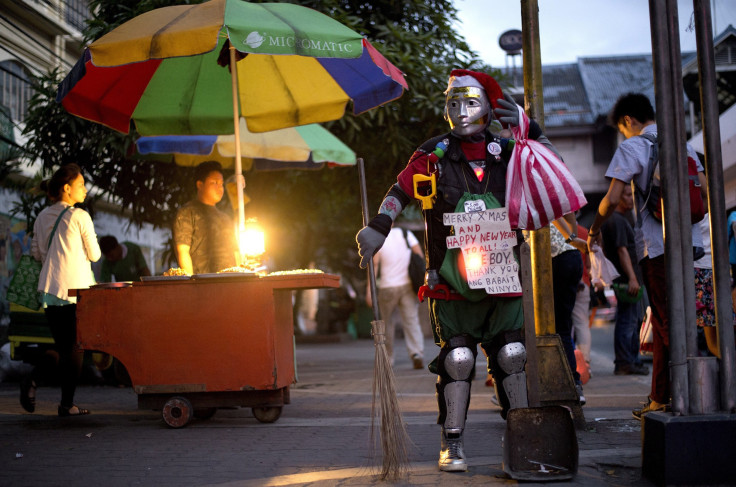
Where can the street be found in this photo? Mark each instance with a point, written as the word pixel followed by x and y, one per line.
pixel 321 439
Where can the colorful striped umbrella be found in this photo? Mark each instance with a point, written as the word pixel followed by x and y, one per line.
pixel 295 66
pixel 289 65
pixel 306 147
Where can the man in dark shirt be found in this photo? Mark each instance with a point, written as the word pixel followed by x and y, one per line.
pixel 124 260
pixel 619 247
pixel 204 236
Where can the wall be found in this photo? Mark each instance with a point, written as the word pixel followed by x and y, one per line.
pixel 577 151
pixel 728 153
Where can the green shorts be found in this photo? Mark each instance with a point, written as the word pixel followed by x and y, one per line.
pixel 481 320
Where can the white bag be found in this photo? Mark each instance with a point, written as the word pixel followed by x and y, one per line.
pixel 601 269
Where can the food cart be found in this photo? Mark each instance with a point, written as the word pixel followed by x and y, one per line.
pixel 195 344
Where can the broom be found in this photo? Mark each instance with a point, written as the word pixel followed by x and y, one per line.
pixel 394 437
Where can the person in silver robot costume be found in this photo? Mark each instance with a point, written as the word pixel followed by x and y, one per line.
pixel 469 162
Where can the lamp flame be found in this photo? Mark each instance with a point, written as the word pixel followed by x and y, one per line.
pixel 252 239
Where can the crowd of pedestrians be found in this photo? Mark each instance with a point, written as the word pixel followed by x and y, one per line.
pixel 634 116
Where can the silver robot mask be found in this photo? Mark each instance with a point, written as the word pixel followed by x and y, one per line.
pixel 468 110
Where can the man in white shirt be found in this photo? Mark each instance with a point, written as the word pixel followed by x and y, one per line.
pixel 395 291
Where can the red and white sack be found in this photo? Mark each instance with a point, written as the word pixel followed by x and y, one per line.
pixel 539 186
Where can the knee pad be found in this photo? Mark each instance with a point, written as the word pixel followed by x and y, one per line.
pixel 459 363
pixel 456 366
pixel 456 360
pixel 506 360
pixel 512 358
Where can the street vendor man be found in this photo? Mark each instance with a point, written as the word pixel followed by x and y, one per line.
pixel 204 235
pixel 467 305
pixel 122 260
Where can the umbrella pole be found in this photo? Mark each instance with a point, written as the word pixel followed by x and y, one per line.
pixel 394 437
pixel 239 179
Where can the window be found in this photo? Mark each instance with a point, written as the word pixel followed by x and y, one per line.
pixel 725 54
pixel 76 12
pixel 604 145
pixel 15 89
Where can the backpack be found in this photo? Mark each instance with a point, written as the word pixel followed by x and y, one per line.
pixel 652 197
pixel 417 266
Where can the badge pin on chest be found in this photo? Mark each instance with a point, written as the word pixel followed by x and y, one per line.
pixel 494 148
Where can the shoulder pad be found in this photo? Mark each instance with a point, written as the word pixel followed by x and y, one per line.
pixel 429 145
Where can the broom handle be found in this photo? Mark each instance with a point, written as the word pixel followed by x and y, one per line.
pixel 371 271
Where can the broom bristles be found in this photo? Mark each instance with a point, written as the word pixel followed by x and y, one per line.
pixel 394 437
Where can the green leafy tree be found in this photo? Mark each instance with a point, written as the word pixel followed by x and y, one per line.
pixel 147 190
pixel 311 215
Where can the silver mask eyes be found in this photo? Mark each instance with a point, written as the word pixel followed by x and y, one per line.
pixel 468 110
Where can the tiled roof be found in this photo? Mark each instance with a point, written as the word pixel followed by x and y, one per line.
pixel 607 78
pixel 579 94
pixel 728 31
pixel 565 101
pixel 582 93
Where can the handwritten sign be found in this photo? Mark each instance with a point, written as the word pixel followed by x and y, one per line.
pixel 486 240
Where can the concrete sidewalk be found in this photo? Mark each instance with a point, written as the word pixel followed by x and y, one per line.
pixel 321 439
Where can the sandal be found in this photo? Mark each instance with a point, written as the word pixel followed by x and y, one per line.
pixel 74 410
pixel 28 394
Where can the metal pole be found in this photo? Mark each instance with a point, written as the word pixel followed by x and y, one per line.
pixel 680 171
pixel 544 306
pixel 239 180
pixel 666 134
pixel 716 200
pixel 688 326
pixel 532 354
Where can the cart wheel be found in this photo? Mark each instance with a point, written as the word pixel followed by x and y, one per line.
pixel 177 411
pixel 204 413
pixel 267 415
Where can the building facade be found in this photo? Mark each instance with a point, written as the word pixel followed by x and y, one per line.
pixel 37 36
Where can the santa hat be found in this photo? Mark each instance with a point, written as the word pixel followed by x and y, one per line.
pixel 465 77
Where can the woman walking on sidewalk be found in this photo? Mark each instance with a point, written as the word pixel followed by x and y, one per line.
pixel 64 240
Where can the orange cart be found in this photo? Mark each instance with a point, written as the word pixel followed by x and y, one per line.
pixel 192 345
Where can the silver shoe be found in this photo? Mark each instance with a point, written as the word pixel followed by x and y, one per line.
pixel 452 456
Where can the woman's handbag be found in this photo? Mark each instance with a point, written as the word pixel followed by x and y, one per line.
pixel 23 288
